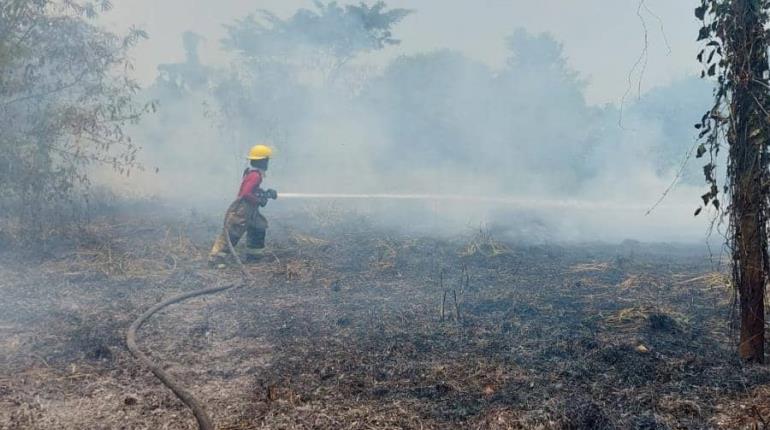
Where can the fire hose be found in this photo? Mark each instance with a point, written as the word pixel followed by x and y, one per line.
pixel 204 421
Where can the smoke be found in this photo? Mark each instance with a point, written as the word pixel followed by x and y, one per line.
pixel 434 122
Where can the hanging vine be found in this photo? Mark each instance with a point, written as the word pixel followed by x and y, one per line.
pixel 734 54
pixel 718 32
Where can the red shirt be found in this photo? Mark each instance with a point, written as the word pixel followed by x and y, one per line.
pixel 252 179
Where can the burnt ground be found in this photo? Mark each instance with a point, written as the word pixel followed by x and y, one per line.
pixel 342 327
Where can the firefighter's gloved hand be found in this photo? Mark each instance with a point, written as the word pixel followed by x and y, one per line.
pixel 264 195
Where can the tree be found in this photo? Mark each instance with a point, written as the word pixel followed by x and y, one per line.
pixel 525 123
pixel 284 65
pixel 541 106
pixel 327 37
pixel 735 53
pixel 64 101
pixel 176 79
pixel 185 119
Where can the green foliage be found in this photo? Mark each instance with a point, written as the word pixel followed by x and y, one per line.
pixel 719 36
pixel 64 103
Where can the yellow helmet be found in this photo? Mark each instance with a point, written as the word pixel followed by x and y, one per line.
pixel 260 152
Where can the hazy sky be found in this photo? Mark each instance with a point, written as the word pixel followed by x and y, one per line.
pixel 602 38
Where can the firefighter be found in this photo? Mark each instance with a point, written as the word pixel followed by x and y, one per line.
pixel 243 214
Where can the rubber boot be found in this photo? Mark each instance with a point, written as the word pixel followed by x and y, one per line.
pixel 219 260
pixel 255 245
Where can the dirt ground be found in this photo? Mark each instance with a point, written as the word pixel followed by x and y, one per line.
pixel 347 326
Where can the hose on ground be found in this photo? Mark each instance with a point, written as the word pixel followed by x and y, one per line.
pixel 204 421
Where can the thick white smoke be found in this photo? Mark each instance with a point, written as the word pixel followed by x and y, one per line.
pixel 429 123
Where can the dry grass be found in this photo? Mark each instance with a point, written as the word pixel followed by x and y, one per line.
pixel 713 280
pixel 590 267
pixel 483 244
pixel 305 240
pixel 344 331
pixel 101 251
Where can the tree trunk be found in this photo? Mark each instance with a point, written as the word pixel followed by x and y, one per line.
pixel 747 139
pixel 749 254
